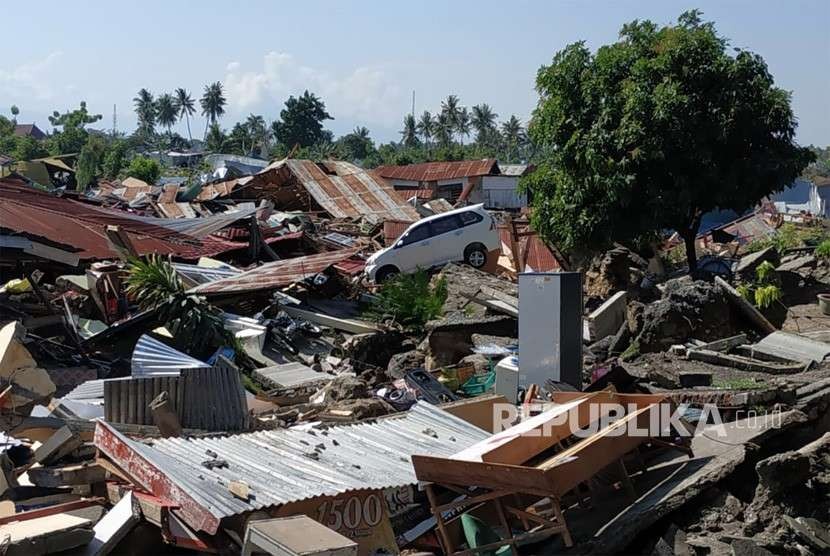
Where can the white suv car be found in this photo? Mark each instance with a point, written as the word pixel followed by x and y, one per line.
pixel 467 234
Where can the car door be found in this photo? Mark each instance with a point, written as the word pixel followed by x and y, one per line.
pixel 447 239
pixel 412 250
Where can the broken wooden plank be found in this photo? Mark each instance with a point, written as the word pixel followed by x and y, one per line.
pixel 724 344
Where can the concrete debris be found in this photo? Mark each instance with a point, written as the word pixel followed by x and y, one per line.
pixel 286 398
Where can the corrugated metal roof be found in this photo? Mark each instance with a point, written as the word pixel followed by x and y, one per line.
pixel 81 228
pixel 287 465
pixel 154 358
pixel 289 375
pixel 513 169
pixel 793 347
pixel 194 275
pixel 434 171
pixel 276 274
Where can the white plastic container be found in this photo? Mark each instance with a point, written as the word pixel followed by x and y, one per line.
pixel 507 378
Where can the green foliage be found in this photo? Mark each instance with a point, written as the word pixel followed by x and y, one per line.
pixel 90 161
pixel 820 168
pixel 356 146
pixel 767 295
pixel 823 249
pixel 196 326
pixel 301 122
pixel 410 300
pixel 737 384
pixel 216 140
pixel 213 102
pixel 652 132
pixel 145 169
pixel 72 136
pixel 19 148
pixel 788 236
pixel 114 158
pixel 765 290
pixel 166 113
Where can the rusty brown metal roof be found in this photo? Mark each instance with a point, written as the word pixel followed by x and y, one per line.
pixel 276 274
pixel 81 228
pixel 340 188
pixel 434 171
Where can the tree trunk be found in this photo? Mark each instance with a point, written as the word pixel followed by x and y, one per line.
pixel 691 256
pixel 189 136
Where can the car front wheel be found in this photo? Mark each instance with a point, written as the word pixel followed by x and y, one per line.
pixel 475 255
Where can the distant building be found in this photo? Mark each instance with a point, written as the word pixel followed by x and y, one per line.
pixel 804 196
pixel 29 130
pixel 465 181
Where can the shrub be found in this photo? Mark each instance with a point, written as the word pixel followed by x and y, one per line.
pixel 144 169
pixel 410 300
pixel 823 249
pixel 767 295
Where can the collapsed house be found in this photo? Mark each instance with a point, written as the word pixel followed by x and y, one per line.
pixel 312 413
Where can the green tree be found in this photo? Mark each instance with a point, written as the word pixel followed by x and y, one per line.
pixel 15 111
pixel 443 129
pixel 426 127
pixel 512 134
pixel 72 135
pixel 820 168
pixel 483 121
pixel 166 113
pixel 213 104
pixel 185 107
pixel 114 158
pixel 463 124
pixel 216 140
pixel 145 110
pixel 257 132
pixel 144 169
pixel 356 146
pixel 409 133
pixel 89 162
pixel 301 122
pixel 451 111
pixel 652 132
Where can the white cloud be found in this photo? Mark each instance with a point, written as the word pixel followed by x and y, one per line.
pixel 366 94
pixel 32 80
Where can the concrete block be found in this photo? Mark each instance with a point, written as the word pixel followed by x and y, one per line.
pixel 608 317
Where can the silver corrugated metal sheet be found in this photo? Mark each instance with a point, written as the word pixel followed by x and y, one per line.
pixel 793 347
pixel 287 465
pixel 154 358
pixel 289 375
pixel 193 275
pixel 87 391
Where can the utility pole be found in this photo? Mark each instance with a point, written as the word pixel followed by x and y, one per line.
pixel 413 103
pixel 114 121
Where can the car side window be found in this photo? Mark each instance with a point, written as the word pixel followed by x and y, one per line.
pixel 468 218
pixel 445 225
pixel 418 233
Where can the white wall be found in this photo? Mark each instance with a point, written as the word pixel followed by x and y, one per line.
pixel 500 192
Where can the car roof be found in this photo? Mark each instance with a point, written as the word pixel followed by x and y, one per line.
pixel 470 208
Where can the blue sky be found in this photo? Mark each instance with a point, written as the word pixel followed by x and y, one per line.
pixel 363 58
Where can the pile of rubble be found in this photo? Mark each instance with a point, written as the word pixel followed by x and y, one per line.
pixel 123 428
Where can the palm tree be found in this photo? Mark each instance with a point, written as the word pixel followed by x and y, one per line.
pixel 451 110
pixel 215 139
pixel 484 121
pixel 426 126
pixel 463 124
pixel 213 103
pixel 257 130
pixel 443 129
pixel 145 109
pixel 166 111
pixel 185 108
pixel 361 132
pixel 409 134
pixel 513 134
